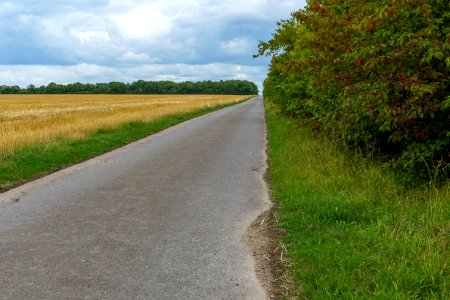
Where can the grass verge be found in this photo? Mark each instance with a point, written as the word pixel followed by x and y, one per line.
pixel 28 163
pixel 351 231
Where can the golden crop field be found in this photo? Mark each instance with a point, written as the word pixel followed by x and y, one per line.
pixel 39 119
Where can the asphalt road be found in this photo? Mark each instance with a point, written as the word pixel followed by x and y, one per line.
pixel 162 218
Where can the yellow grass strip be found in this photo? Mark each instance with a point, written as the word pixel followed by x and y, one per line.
pixel 37 119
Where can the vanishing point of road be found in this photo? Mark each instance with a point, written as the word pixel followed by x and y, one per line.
pixel 162 218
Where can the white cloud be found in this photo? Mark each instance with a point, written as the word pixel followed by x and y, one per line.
pixel 131 57
pixel 128 40
pixel 236 46
pixel 42 75
pixel 142 23
pixel 6 7
pixel 85 36
pixel 23 75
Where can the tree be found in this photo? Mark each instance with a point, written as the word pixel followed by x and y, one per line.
pixel 372 74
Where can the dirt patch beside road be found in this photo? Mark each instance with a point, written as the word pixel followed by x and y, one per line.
pixel 263 238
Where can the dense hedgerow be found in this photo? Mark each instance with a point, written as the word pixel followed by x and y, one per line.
pixel 372 74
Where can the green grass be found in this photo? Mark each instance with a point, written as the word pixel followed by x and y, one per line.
pixel 351 231
pixel 31 162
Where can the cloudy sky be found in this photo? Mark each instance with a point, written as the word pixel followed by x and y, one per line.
pixel 104 40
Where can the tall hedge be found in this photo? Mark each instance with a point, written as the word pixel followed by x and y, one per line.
pixel 372 74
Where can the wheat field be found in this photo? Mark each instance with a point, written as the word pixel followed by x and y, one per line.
pixel 27 120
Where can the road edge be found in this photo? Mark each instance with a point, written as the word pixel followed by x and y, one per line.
pixel 263 239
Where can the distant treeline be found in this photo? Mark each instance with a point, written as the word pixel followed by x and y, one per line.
pixel 227 87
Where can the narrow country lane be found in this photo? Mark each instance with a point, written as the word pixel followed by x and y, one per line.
pixel 162 218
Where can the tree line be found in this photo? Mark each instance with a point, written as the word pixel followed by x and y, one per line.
pixel 227 87
pixel 373 75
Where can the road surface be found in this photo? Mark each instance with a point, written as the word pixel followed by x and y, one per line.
pixel 162 218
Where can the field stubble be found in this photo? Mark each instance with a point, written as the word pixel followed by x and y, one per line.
pixel 28 120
